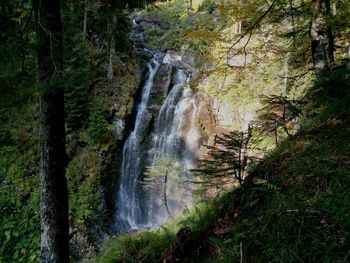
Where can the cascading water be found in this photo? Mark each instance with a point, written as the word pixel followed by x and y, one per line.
pixel 162 129
pixel 128 210
pixel 177 136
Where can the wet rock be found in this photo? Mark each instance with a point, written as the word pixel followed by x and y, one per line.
pixel 119 125
pixel 188 57
pixel 182 61
pixel 161 86
pixel 141 133
pixel 148 22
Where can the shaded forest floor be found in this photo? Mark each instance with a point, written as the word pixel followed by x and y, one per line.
pixel 294 206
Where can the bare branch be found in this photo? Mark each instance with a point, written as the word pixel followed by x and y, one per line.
pixel 249 31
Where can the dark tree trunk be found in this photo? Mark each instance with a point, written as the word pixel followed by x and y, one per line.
pixel 111 46
pixel 165 187
pixel 330 35
pixel 322 40
pixel 54 194
pixel 319 36
pixel 85 18
pixel 190 9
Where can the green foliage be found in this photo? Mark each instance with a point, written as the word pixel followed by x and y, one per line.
pixel 146 246
pixel 19 185
pixel 163 171
pixel 19 227
pixel 76 101
pixel 84 174
pixel 180 30
pixel 121 33
pixel 294 206
pixel 207 5
pixel 277 113
pixel 98 127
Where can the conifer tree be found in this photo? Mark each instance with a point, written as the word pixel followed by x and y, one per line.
pixel 277 112
pixel 228 158
pixel 97 126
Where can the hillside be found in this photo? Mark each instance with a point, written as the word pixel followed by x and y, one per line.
pixel 193 131
pixel 293 203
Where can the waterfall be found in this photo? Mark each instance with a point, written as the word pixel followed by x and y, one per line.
pixel 171 130
pixel 128 202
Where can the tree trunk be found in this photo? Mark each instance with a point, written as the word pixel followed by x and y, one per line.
pixel 240 159
pixel 54 196
pixel 165 187
pixel 330 14
pixel 110 74
pixel 348 64
pixel 318 36
pixel 246 150
pixel 286 74
pixel 276 134
pixel 85 18
pixel 334 8
pixel 190 9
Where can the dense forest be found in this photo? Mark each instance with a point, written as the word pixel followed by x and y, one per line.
pixel 175 131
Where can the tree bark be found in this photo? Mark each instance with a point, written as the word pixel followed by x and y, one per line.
pixel 165 188
pixel 54 194
pixel 322 46
pixel 238 27
pixel 330 36
pixel 190 9
pixel 85 18
pixel 348 64
pixel 110 73
pixel 318 37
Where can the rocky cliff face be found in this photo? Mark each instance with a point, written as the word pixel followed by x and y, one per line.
pixel 214 116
